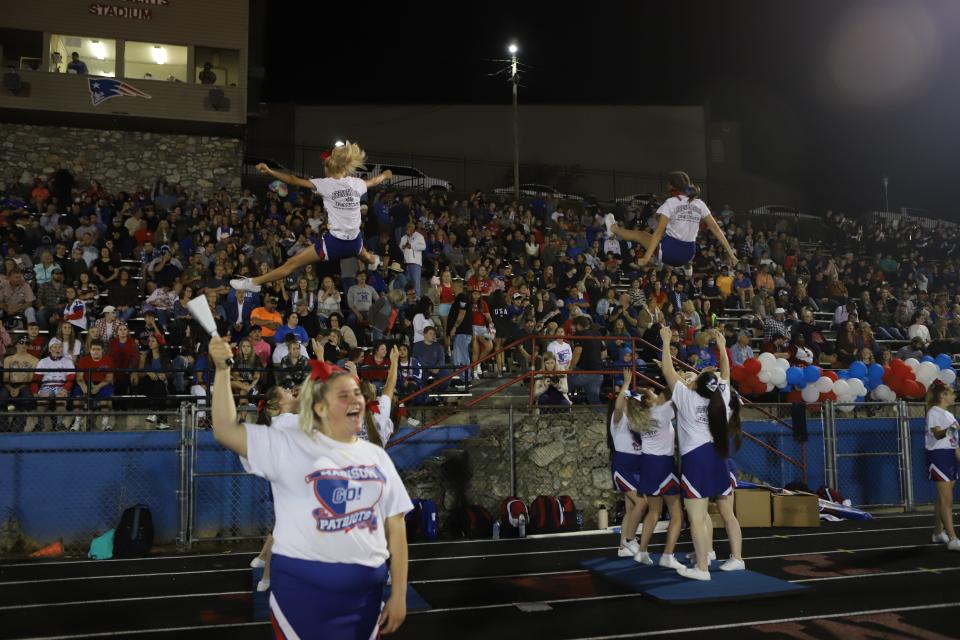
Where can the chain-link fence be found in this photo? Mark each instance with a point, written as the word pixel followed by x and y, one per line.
pixel 774 449
pixel 72 486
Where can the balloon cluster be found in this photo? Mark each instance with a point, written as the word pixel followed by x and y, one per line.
pixel 761 375
pixel 908 378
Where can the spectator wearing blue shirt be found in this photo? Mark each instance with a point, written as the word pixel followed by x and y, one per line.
pixel 741 351
pixel 293 327
pixel 432 357
pixel 76 65
pixel 411 374
pixel 701 354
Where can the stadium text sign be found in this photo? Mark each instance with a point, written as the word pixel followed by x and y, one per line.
pixel 134 9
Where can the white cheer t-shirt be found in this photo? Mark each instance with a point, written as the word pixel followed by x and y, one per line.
pixel 683 217
pixel 940 418
pixel 331 499
pixel 659 439
pixel 693 424
pixel 623 440
pixel 341 199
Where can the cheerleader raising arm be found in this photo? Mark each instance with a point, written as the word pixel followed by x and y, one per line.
pixel 621 401
pixel 722 359
pixel 297 181
pixel 391 384
pixel 227 429
pixel 666 362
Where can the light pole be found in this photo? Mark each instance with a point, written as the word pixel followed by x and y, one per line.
pixel 515 79
pixel 886 194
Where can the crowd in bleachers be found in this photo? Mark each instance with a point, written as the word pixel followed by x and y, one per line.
pixel 95 284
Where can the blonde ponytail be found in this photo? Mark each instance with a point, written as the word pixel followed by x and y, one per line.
pixel 344 160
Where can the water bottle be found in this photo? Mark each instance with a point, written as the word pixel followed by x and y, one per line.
pixel 496 530
pixel 523 526
pixel 602 518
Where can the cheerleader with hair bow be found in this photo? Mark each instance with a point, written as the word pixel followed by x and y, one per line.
pixel 339 503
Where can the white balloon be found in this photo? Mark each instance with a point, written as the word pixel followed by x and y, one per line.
pixel 824 384
pixel 810 393
pixel 778 376
pixel 883 393
pixel 857 387
pixel 764 375
pixel 928 371
pixel 782 363
pixel 947 376
pixel 767 359
pixel 847 406
pixel 770 387
pixel 913 363
pixel 841 388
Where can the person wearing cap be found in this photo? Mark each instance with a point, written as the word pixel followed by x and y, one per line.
pixel 43 271
pixel 779 346
pixel 398 278
pixel 51 298
pixel 18 372
pixel 107 323
pixel 776 325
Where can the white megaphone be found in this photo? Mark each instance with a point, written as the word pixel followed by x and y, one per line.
pixel 199 308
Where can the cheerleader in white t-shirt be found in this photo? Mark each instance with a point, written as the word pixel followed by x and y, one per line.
pixel 676 233
pixel 377 425
pixel 658 481
pixel 628 418
pixel 341 193
pixel 277 409
pixel 339 503
pixel 941 446
pixel 708 416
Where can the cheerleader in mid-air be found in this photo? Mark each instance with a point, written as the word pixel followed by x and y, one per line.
pixel 679 225
pixel 708 416
pixel 341 193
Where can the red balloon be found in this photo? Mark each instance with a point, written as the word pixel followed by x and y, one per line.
pixel 830 395
pixel 753 366
pixel 900 367
pixel 739 374
pixel 831 374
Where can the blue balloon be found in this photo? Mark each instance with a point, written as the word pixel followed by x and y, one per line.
pixel 876 371
pixel 801 385
pixel 861 399
pixel 794 375
pixel 811 374
pixel 927 359
pixel 872 384
pixel 943 361
pixel 858 369
pixel 844 375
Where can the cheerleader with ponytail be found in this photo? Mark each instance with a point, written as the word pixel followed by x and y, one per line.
pixel 278 409
pixel 340 508
pixel 377 424
pixel 628 418
pixel 676 233
pixel 708 416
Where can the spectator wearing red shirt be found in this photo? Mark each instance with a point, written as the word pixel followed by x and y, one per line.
pixel 124 352
pixel 95 381
pixel 480 281
pixel 36 342
pixel 375 366
pixel 482 323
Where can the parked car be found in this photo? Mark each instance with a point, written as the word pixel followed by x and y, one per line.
pixel 775 209
pixel 404 178
pixel 531 189
pixel 637 198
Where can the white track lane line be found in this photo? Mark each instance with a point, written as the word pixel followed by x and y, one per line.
pixel 737 625
pixel 110 634
pixel 770 537
pixel 113 600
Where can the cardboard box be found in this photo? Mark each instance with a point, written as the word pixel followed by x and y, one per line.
pixel 795 510
pixel 752 507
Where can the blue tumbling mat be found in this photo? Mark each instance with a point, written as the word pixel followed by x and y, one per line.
pixel 261 600
pixel 667 585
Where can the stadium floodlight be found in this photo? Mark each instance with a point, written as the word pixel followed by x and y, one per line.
pixel 339 143
pixel 513 48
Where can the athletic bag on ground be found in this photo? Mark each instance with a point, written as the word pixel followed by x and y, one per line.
pixel 511 509
pixel 569 512
pixel 101 547
pixel 473 521
pixel 134 534
pixel 422 521
pixel 546 515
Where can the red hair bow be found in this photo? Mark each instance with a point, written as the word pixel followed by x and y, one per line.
pixel 374 406
pixel 261 404
pixel 324 155
pixel 322 370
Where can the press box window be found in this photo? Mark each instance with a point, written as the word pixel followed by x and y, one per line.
pixel 94 56
pixel 153 61
pixel 21 50
pixel 220 67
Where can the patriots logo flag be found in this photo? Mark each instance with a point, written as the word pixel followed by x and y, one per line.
pixel 103 89
pixel 348 497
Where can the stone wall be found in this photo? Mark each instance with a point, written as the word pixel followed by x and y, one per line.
pixel 555 454
pixel 121 160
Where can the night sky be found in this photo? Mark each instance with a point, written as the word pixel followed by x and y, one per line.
pixel 831 95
